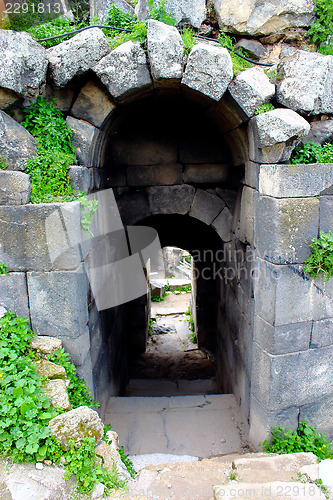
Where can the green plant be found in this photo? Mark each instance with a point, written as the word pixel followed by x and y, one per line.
pixel 158 12
pixel 321 31
pixel 126 461
pixel 29 14
pixel 125 20
pixel 3 268
pixel 88 208
pixel 3 166
pixel 49 170
pixel 193 337
pixel 77 391
pixel 52 28
pixel 156 298
pixel 232 476
pixel 238 63
pixel 188 39
pixel 311 152
pixel 321 258
pixel 151 322
pixel 84 463
pixel 305 438
pixel 274 75
pixel 268 106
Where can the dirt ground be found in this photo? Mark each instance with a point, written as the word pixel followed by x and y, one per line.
pixel 170 354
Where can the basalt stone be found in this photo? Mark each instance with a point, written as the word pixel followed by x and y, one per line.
pixel 23 63
pixel 252 48
pixel 14 293
pixel 154 175
pixel 321 132
pixel 274 135
pixel 165 51
pixel 80 178
pixel 306 85
pixel 171 199
pixel 17 146
pixel 92 104
pixel 326 214
pixel 83 138
pixel 209 70
pixel 205 174
pixel 15 188
pixel 125 71
pixel 222 224
pixel 206 206
pixel 8 98
pixel 77 55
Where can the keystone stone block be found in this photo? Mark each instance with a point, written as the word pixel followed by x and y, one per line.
pixel 165 51
pixel 302 375
pixel 77 55
pixel 39 231
pixel 209 70
pixel 124 71
pixel 251 88
pixel 17 146
pixel 291 181
pixel 15 188
pixel 92 104
pixel 82 139
pixel 285 227
pixel 170 200
pixel 206 206
pixel 14 293
pixel 23 63
pixel 222 224
pixel 58 303
pixel 273 135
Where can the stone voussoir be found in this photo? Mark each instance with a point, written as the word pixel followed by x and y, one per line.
pixel 77 55
pixel 77 424
pixel 92 104
pixel 124 71
pixel 209 70
pixel 165 51
pixel 171 199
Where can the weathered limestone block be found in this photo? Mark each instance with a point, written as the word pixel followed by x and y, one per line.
pixel 7 98
pixel 282 339
pixel 252 48
pixel 170 200
pixel 306 86
pixel 47 369
pixel 319 414
pixel 80 178
pixel 15 188
pixel 154 175
pixel 100 8
pixel 165 51
pixel 77 424
pixel 92 104
pixel 202 174
pixel 322 333
pixel 110 455
pixel 326 214
pixel 124 71
pixel 77 55
pixel 278 303
pixel 285 227
pixel 58 303
pixel 321 132
pixel 14 293
pixel 82 140
pixel 39 230
pixel 17 146
pixel 209 70
pixel 45 344
pixel 251 88
pixel 206 206
pixel 56 390
pixel 250 18
pixel 133 207
pixel 222 224
pixel 23 63
pixel 291 181
pixel 303 376
pixel 273 135
pixel 193 13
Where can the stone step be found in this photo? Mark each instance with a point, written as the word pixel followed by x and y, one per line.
pixel 182 387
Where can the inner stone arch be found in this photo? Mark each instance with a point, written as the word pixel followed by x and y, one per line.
pixel 175 160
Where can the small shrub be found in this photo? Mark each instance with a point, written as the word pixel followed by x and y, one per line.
pixel 3 268
pixel 311 152
pixel 188 39
pixel 305 438
pixel 264 108
pixel 321 30
pixel 125 20
pixel 158 12
pixel 321 258
pixel 52 28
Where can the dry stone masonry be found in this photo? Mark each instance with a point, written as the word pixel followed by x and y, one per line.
pixel 217 179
